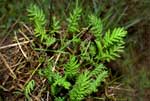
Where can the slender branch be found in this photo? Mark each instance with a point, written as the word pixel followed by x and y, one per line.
pixel 15 44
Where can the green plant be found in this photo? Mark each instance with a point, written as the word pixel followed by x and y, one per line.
pixel 73 25
pixel 55 25
pixel 29 87
pixel 71 67
pixel 84 71
pixel 97 26
pixel 38 17
pixel 112 44
pixel 87 82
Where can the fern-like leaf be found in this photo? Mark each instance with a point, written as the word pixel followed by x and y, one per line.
pixel 92 50
pixel 97 26
pixel 48 73
pixel 99 73
pixel 29 87
pixel 112 45
pixel 55 79
pixel 116 36
pixel 59 81
pixel 71 67
pixel 73 25
pixel 87 82
pixel 113 52
pixel 99 69
pixel 38 16
pixel 55 25
pixel 97 82
pixel 81 87
pixel 100 48
pixel 50 41
pixel 59 99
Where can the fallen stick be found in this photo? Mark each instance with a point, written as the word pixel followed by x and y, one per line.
pixel 15 44
pixel 7 66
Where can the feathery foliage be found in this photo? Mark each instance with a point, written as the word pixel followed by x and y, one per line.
pixel 84 71
pixel 59 99
pixel 38 17
pixel 81 87
pixel 115 37
pixel 55 26
pixel 99 68
pixel 47 72
pixel 100 73
pixel 72 66
pixel 29 87
pixel 113 52
pixel 87 82
pixel 49 41
pixel 85 55
pixel 112 44
pixel 97 26
pixel 55 79
pixel 59 81
pixel 73 20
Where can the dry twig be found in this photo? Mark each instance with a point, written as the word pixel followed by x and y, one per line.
pixel 15 44
pixel 7 66
pixel 24 54
pixel 58 56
